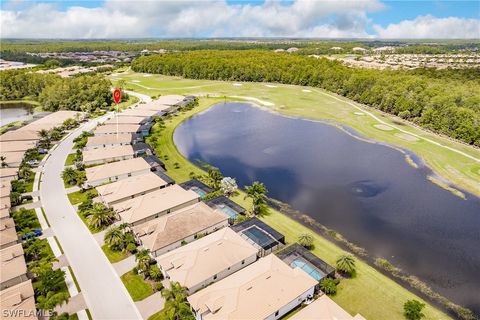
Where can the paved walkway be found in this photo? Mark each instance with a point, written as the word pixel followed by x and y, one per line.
pixel 151 305
pixel 74 305
pixel 31 205
pixel 125 265
pixel 104 293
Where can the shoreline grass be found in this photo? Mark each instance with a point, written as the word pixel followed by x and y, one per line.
pixel 362 294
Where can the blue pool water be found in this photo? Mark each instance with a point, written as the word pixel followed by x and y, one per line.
pixel 229 211
pixel 307 268
pixel 199 191
pixel 259 237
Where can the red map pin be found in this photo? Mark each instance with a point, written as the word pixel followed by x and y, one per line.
pixel 117 95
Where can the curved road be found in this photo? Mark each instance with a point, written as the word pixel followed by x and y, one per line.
pixel 104 293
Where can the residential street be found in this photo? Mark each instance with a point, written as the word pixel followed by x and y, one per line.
pixel 104 293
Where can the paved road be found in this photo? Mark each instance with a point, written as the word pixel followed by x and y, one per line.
pixel 104 293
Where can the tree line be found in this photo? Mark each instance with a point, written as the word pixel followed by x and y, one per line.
pixel 444 101
pixel 82 93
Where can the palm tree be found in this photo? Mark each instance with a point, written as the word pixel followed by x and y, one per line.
pixel 70 175
pixel 56 134
pixel 25 173
pixel 346 264
pixel 328 286
pixel 176 305
pixel 143 260
pixel 306 240
pixel 100 216
pixel 258 193
pixel 114 239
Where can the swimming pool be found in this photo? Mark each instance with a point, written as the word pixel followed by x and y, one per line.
pixel 199 191
pixel 260 237
pixel 317 275
pixel 229 211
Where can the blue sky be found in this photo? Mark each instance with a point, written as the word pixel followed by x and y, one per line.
pixel 229 18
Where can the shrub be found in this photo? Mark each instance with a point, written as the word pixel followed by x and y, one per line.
pixel 131 247
pixel 329 286
pixel 159 286
pixel 412 310
pixel 135 270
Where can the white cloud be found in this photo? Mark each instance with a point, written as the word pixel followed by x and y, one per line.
pixel 429 27
pixel 217 18
pixel 121 19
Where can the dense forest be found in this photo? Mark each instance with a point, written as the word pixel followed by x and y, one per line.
pixel 82 93
pixel 444 101
pixel 309 46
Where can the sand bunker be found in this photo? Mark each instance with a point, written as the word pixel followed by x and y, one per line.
pixel 114 74
pixel 359 113
pixel 238 84
pixel 305 90
pixel 147 75
pixel 383 127
pixel 270 86
pixel 406 136
pixel 262 102
pixel 136 81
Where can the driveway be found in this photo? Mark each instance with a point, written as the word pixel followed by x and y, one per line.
pixel 104 293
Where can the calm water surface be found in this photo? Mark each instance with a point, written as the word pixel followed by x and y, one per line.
pixel 365 191
pixel 12 112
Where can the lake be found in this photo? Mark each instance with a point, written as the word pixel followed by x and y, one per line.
pixel 17 111
pixel 365 191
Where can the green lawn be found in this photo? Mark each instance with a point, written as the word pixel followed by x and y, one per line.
pixel 70 159
pixel 319 104
pixel 79 196
pixel 113 256
pixel 29 184
pixel 362 294
pixel 138 288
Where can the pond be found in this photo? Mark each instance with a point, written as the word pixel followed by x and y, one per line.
pixel 15 111
pixel 365 191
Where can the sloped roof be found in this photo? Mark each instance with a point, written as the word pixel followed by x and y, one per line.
pixel 108 170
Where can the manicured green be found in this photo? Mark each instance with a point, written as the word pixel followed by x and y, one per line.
pixel 319 104
pixel 79 196
pixel 70 159
pixel 362 294
pixel 113 256
pixel 138 288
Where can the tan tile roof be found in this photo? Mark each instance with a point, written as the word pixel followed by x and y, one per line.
pixel 254 292
pixel 19 135
pixel 50 121
pixel 5 188
pixel 8 172
pixel 19 301
pixel 165 230
pixel 200 260
pixel 105 171
pixel 7 231
pixel 138 113
pixel 121 189
pixel 169 100
pixel 11 146
pixel 153 106
pixel 109 139
pixel 4 212
pixel 125 120
pixel 112 128
pixel 323 308
pixel 13 157
pixel 154 202
pixel 107 153
pixel 12 263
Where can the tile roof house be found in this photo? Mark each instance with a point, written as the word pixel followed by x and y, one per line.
pixel 18 302
pixel 324 308
pixel 170 231
pixel 130 188
pixel 110 154
pixel 154 204
pixel 13 268
pixel 116 171
pixel 266 289
pixel 207 260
